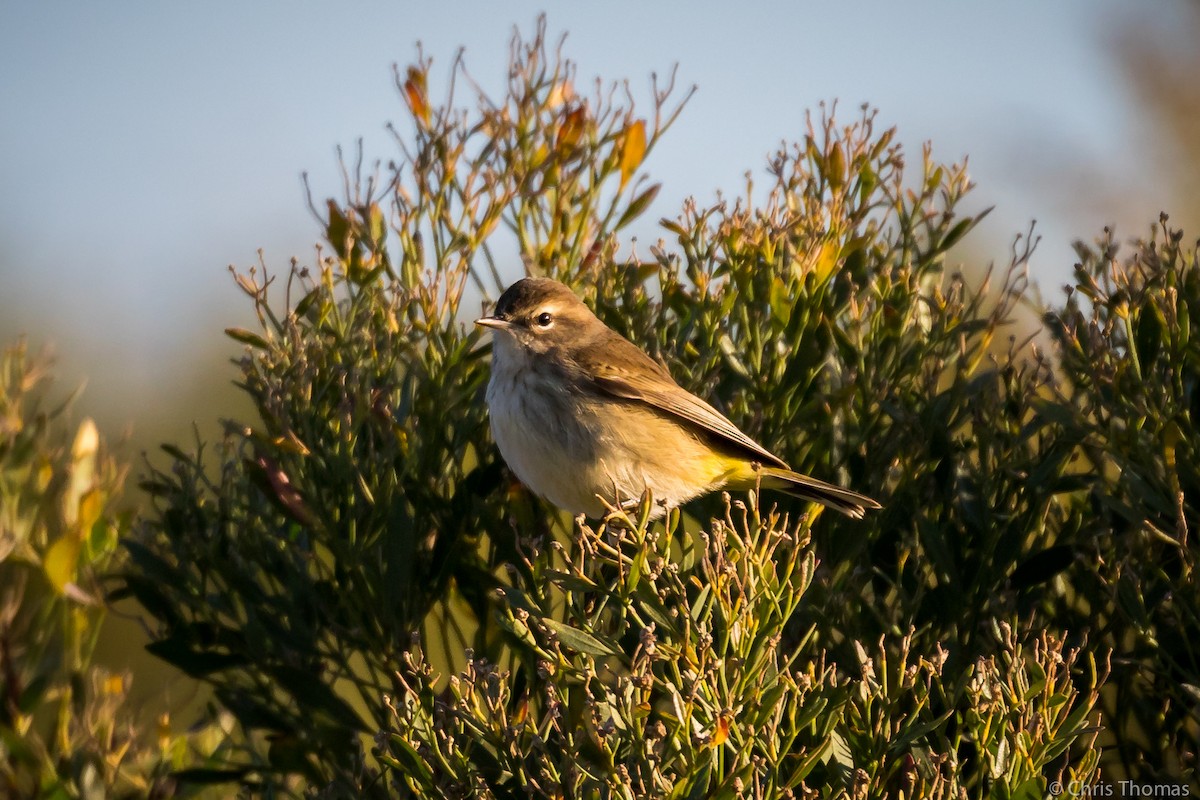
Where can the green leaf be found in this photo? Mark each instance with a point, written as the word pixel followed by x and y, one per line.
pixel 960 229
pixel 208 776
pixel 732 358
pixel 33 693
pixel 637 205
pixel 1148 331
pixel 804 763
pixel 835 167
pixel 840 759
pixel 174 452
pixel 1042 566
pixel 253 712
pixel 150 595
pixel 313 694
pixel 196 663
pixel 571 582
pixel 581 641
pixel 247 337
pixel 781 303
pixel 413 766
pixel 1030 789
pixel 652 606
pixel 635 571
pixel 306 302
pixel 337 231
pixel 698 605
pixel 673 226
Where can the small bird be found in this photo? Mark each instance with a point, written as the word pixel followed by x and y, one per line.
pixel 581 413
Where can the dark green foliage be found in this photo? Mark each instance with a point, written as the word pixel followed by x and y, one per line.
pixel 824 323
pixel 1129 404
pixel 335 561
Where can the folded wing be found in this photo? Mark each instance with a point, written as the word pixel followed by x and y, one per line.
pixel 630 374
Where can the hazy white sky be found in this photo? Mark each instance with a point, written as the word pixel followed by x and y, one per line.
pixel 144 146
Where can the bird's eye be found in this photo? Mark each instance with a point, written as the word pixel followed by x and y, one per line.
pixel 544 319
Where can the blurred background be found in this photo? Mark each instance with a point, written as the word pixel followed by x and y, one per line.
pixel 144 147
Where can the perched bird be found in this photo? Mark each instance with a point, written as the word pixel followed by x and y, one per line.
pixel 581 413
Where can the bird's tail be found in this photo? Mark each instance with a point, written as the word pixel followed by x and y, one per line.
pixel 850 503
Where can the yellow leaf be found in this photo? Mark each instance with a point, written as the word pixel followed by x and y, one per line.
pixel 163 729
pixel 83 468
pixel 827 259
pixel 633 150
pixel 45 474
pixel 91 505
pixel 87 441
pixel 291 443
pixel 61 561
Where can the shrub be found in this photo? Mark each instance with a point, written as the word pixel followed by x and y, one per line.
pixel 646 668
pixel 65 728
pixel 1129 403
pixel 386 612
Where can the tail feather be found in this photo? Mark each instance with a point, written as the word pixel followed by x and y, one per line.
pixel 850 503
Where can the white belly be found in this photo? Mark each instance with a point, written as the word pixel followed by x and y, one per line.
pixel 571 448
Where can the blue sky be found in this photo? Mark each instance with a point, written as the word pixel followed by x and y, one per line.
pixel 146 146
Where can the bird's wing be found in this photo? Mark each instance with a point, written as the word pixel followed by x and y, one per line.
pixel 628 373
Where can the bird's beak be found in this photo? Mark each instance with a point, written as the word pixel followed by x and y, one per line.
pixel 494 322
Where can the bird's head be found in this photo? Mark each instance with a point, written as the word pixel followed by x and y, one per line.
pixel 539 315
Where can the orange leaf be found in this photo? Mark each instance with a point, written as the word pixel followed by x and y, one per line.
pixel 570 130
pixel 720 731
pixel 633 150
pixel 521 712
pixel 416 94
pixel 288 495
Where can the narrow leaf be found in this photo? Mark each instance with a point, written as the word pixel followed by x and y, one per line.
pixel 638 205
pixel 633 150
pixel 580 641
pixel 61 561
pixel 416 95
pixel 246 337
pixel 570 130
